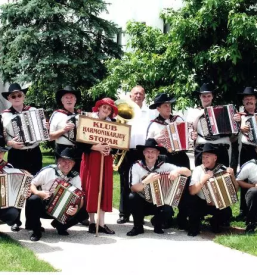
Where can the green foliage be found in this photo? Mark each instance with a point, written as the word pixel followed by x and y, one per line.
pixel 51 44
pixel 208 40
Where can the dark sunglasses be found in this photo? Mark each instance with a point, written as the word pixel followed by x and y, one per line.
pixel 14 96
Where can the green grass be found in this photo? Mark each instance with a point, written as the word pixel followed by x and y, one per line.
pixel 14 257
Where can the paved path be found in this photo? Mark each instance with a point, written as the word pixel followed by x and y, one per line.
pixel 148 253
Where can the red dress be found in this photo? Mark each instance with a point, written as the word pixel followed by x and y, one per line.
pixel 90 176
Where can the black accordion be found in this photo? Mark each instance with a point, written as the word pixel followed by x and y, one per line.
pixel 219 121
pixel 220 190
pixel 252 134
pixel 14 186
pixel 29 127
pixel 165 191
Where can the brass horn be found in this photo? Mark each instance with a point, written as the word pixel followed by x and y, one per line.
pixel 127 110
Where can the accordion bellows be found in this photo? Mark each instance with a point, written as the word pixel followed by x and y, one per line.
pixel 177 136
pixel 64 196
pixel 29 126
pixel 252 123
pixel 15 184
pixel 165 191
pixel 219 120
pixel 220 190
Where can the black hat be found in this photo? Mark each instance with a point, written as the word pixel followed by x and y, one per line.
pixel 210 148
pixel 15 87
pixel 151 143
pixel 68 153
pixel 248 91
pixel 206 88
pixel 160 99
pixel 67 90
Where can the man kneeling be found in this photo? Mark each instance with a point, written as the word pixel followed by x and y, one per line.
pixel 36 204
pixel 199 207
pixel 144 172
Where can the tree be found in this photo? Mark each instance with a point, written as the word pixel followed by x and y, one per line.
pixel 51 44
pixel 208 40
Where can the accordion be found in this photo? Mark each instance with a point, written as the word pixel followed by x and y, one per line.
pixel 252 123
pixel 165 191
pixel 177 136
pixel 220 190
pixel 14 186
pixel 72 133
pixel 219 121
pixel 29 126
pixel 64 196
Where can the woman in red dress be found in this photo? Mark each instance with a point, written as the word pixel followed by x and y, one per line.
pixel 104 109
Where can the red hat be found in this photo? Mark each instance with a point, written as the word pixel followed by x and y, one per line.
pixel 106 101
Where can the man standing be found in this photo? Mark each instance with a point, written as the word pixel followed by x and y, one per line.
pixel 163 104
pixel 144 172
pixel 247 149
pixel 41 189
pixel 138 135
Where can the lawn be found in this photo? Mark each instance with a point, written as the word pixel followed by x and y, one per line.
pixel 16 258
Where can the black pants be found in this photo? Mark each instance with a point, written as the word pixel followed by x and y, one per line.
pixel 29 159
pixel 141 208
pixel 9 215
pixel 199 208
pixel 247 153
pixel 181 159
pixel 223 156
pixel 251 203
pixel 131 156
pixel 36 209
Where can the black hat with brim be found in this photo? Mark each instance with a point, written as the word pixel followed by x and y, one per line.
pixel 67 90
pixel 151 143
pixel 161 99
pixel 206 88
pixel 69 153
pixel 14 88
pixel 248 91
pixel 210 148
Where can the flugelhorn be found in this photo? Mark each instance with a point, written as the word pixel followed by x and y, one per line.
pixel 127 110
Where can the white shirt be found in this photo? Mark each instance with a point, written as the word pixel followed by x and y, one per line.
pixel 139 126
pixel 138 172
pixel 8 128
pixel 47 176
pixel 58 121
pixel 248 172
pixel 154 130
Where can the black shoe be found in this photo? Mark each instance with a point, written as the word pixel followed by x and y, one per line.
pixel 105 229
pixel 250 228
pixel 36 236
pixel 42 229
pixel 122 220
pixel 193 233
pixel 158 230
pixel 215 227
pixel 241 217
pixel 15 227
pixel 62 232
pixel 135 231
pixel 85 222
pixel 92 228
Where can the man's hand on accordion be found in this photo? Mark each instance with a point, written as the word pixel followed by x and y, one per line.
pixel 15 143
pixel 151 178
pixel 72 210
pixel 44 195
pixel 174 174
pixel 245 129
pixel 69 126
pixel 206 176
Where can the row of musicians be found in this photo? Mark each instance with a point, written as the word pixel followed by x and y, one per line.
pixel 59 127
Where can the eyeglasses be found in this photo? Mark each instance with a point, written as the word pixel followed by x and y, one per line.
pixel 14 96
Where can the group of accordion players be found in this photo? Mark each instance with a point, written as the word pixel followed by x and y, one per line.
pixel 155 172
